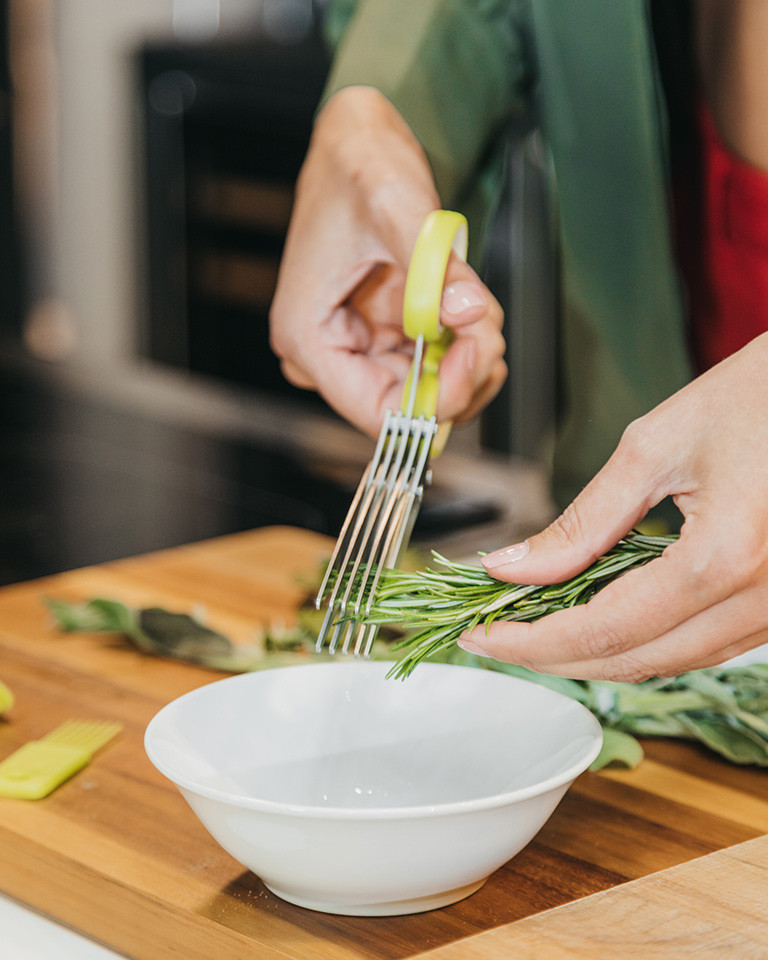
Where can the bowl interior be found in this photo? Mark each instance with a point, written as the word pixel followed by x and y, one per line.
pixel 341 735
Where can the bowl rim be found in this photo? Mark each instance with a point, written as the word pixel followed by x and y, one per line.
pixel 416 811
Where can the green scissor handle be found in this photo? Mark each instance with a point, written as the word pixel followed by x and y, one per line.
pixel 6 698
pixel 441 232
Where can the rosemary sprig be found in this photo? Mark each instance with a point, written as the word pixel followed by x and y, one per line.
pixel 435 606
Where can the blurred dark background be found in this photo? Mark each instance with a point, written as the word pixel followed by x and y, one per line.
pixel 147 163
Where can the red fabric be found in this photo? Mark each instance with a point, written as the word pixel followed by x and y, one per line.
pixel 729 300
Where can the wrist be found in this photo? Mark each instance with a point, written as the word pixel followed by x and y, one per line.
pixel 361 146
pixel 359 125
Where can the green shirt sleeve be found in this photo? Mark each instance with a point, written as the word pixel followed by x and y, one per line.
pixel 455 69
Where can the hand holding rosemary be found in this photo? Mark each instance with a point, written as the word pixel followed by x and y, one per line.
pixel 440 604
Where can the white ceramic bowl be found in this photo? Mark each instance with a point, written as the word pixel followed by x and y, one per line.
pixel 350 793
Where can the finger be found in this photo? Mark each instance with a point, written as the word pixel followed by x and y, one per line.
pixel 463 301
pixel 480 399
pixel 732 593
pixel 362 389
pixel 399 212
pixel 379 298
pixel 472 371
pixel 637 607
pixel 614 501
pixel 704 640
pixel 297 375
pixel 707 639
pixel 466 298
pixel 359 368
pixel 488 391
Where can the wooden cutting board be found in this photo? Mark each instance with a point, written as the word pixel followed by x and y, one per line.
pixel 117 853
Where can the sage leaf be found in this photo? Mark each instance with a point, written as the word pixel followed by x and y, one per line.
pixel 95 615
pixel 618 748
pixel 154 631
pixel 737 743
pixel 179 635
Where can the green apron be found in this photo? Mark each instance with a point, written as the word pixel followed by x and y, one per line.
pixel 457 70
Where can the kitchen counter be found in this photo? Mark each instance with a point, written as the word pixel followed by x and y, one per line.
pixel 667 860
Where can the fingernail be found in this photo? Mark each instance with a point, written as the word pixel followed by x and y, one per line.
pixel 499 559
pixel 471 647
pixel 461 297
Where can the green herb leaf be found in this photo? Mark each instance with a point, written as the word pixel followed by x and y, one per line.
pixel 100 615
pixel 95 615
pixel 618 748
pixel 179 635
pixel 732 740
pixel 154 631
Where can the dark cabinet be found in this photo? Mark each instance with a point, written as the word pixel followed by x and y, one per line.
pixel 226 127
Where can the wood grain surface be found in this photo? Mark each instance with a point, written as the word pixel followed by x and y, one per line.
pixel 117 853
pixel 712 908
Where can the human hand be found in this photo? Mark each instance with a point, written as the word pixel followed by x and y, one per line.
pixel 336 319
pixel 706 598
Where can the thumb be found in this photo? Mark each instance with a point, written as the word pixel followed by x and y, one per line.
pixel 465 298
pixel 605 511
